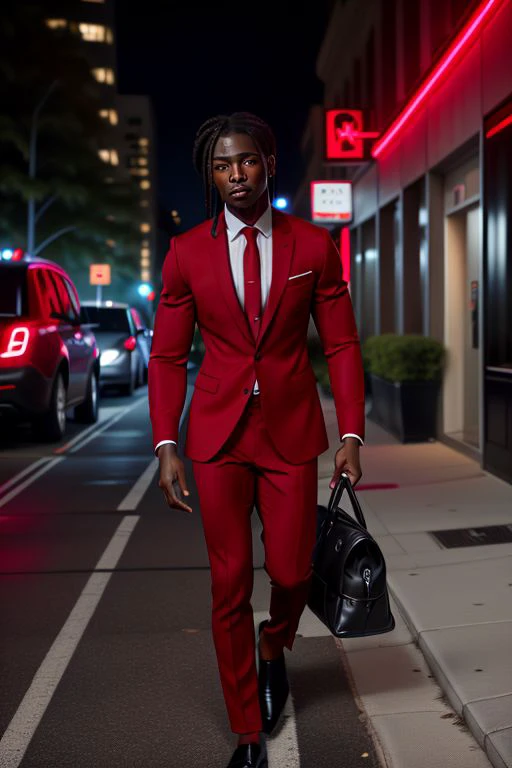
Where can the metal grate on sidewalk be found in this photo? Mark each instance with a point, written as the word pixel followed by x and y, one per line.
pixel 474 537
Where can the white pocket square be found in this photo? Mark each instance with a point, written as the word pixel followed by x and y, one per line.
pixel 302 274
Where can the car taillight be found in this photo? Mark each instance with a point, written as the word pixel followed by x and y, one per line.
pixel 130 343
pixel 18 342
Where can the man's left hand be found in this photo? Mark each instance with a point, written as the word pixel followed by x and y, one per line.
pixel 347 461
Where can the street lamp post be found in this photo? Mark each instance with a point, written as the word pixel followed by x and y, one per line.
pixel 32 167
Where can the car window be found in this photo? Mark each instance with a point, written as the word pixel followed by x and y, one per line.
pixel 48 293
pixel 73 296
pixel 108 318
pixel 64 296
pixel 136 318
pixel 13 293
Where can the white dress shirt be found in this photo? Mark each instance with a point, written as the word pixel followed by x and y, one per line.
pixel 236 245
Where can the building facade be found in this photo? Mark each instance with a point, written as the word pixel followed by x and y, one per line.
pixel 137 156
pixel 431 243
pixel 127 142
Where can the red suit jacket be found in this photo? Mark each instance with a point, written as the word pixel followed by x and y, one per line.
pixel 198 287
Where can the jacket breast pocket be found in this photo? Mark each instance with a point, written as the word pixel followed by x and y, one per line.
pixel 206 383
pixel 300 281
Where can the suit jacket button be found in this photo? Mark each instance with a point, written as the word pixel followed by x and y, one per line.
pixel 246 391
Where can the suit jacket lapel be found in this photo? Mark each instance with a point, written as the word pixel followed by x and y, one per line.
pixel 282 252
pixel 221 267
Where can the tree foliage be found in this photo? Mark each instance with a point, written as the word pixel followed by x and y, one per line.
pixel 71 182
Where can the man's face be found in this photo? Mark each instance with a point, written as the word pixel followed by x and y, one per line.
pixel 240 173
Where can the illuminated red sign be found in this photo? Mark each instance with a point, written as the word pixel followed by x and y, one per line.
pixel 345 135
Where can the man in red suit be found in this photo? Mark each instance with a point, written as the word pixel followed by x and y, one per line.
pixel 250 278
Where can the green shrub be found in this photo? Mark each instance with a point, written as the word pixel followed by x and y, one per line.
pixel 404 358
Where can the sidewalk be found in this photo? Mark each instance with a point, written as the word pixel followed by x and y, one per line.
pixel 456 603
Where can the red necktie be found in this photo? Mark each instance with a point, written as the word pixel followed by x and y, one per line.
pixel 252 280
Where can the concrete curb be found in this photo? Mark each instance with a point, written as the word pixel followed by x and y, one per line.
pixel 449 687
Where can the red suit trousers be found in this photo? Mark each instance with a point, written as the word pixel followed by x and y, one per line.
pixel 249 473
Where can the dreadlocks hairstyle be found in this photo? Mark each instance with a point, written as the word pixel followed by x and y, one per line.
pixel 206 138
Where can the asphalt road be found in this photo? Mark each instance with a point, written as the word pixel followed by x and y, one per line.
pixel 106 654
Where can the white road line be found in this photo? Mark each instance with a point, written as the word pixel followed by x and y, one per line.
pixel 133 497
pixel 31 468
pixel 20 731
pixel 16 739
pixel 283 749
pixel 19 488
pixel 107 413
pixel 104 427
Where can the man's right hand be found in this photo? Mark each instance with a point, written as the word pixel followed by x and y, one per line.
pixel 172 475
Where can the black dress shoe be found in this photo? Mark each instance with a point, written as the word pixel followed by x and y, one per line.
pixel 249 756
pixel 273 689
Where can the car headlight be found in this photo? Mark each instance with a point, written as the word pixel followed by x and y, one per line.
pixel 109 356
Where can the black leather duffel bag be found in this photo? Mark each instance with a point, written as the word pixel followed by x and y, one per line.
pixel 348 590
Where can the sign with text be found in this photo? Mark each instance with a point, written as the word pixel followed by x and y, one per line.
pixel 345 137
pixel 99 274
pixel 331 202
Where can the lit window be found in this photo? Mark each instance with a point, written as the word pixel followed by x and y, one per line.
pixel 145 252
pixel 95 33
pixel 56 23
pixel 145 275
pixel 110 243
pixel 145 263
pixel 104 75
pixel 139 171
pixel 143 161
pixel 144 142
pixel 174 213
pixel 109 156
pixel 145 227
pixel 110 115
pixel 145 184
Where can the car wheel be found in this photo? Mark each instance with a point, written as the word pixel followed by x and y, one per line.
pixel 87 412
pixel 50 426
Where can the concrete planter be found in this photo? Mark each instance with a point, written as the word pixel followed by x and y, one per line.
pixel 406 409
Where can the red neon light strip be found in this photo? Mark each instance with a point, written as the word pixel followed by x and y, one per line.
pixel 458 44
pixel 497 128
pixel 7 386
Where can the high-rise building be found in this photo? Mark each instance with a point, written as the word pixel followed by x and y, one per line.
pixel 127 142
pixel 137 153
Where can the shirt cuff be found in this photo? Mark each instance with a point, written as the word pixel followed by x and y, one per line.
pixel 351 434
pixel 164 442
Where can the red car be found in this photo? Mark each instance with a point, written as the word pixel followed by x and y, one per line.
pixel 49 362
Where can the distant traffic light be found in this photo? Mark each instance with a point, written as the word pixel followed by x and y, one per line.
pixel 145 289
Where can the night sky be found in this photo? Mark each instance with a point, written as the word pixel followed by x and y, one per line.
pixel 200 59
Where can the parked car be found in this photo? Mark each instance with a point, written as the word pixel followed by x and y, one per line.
pixel 48 361
pixel 121 356
pixel 144 337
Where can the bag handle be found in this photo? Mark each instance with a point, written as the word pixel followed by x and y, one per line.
pixel 342 485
